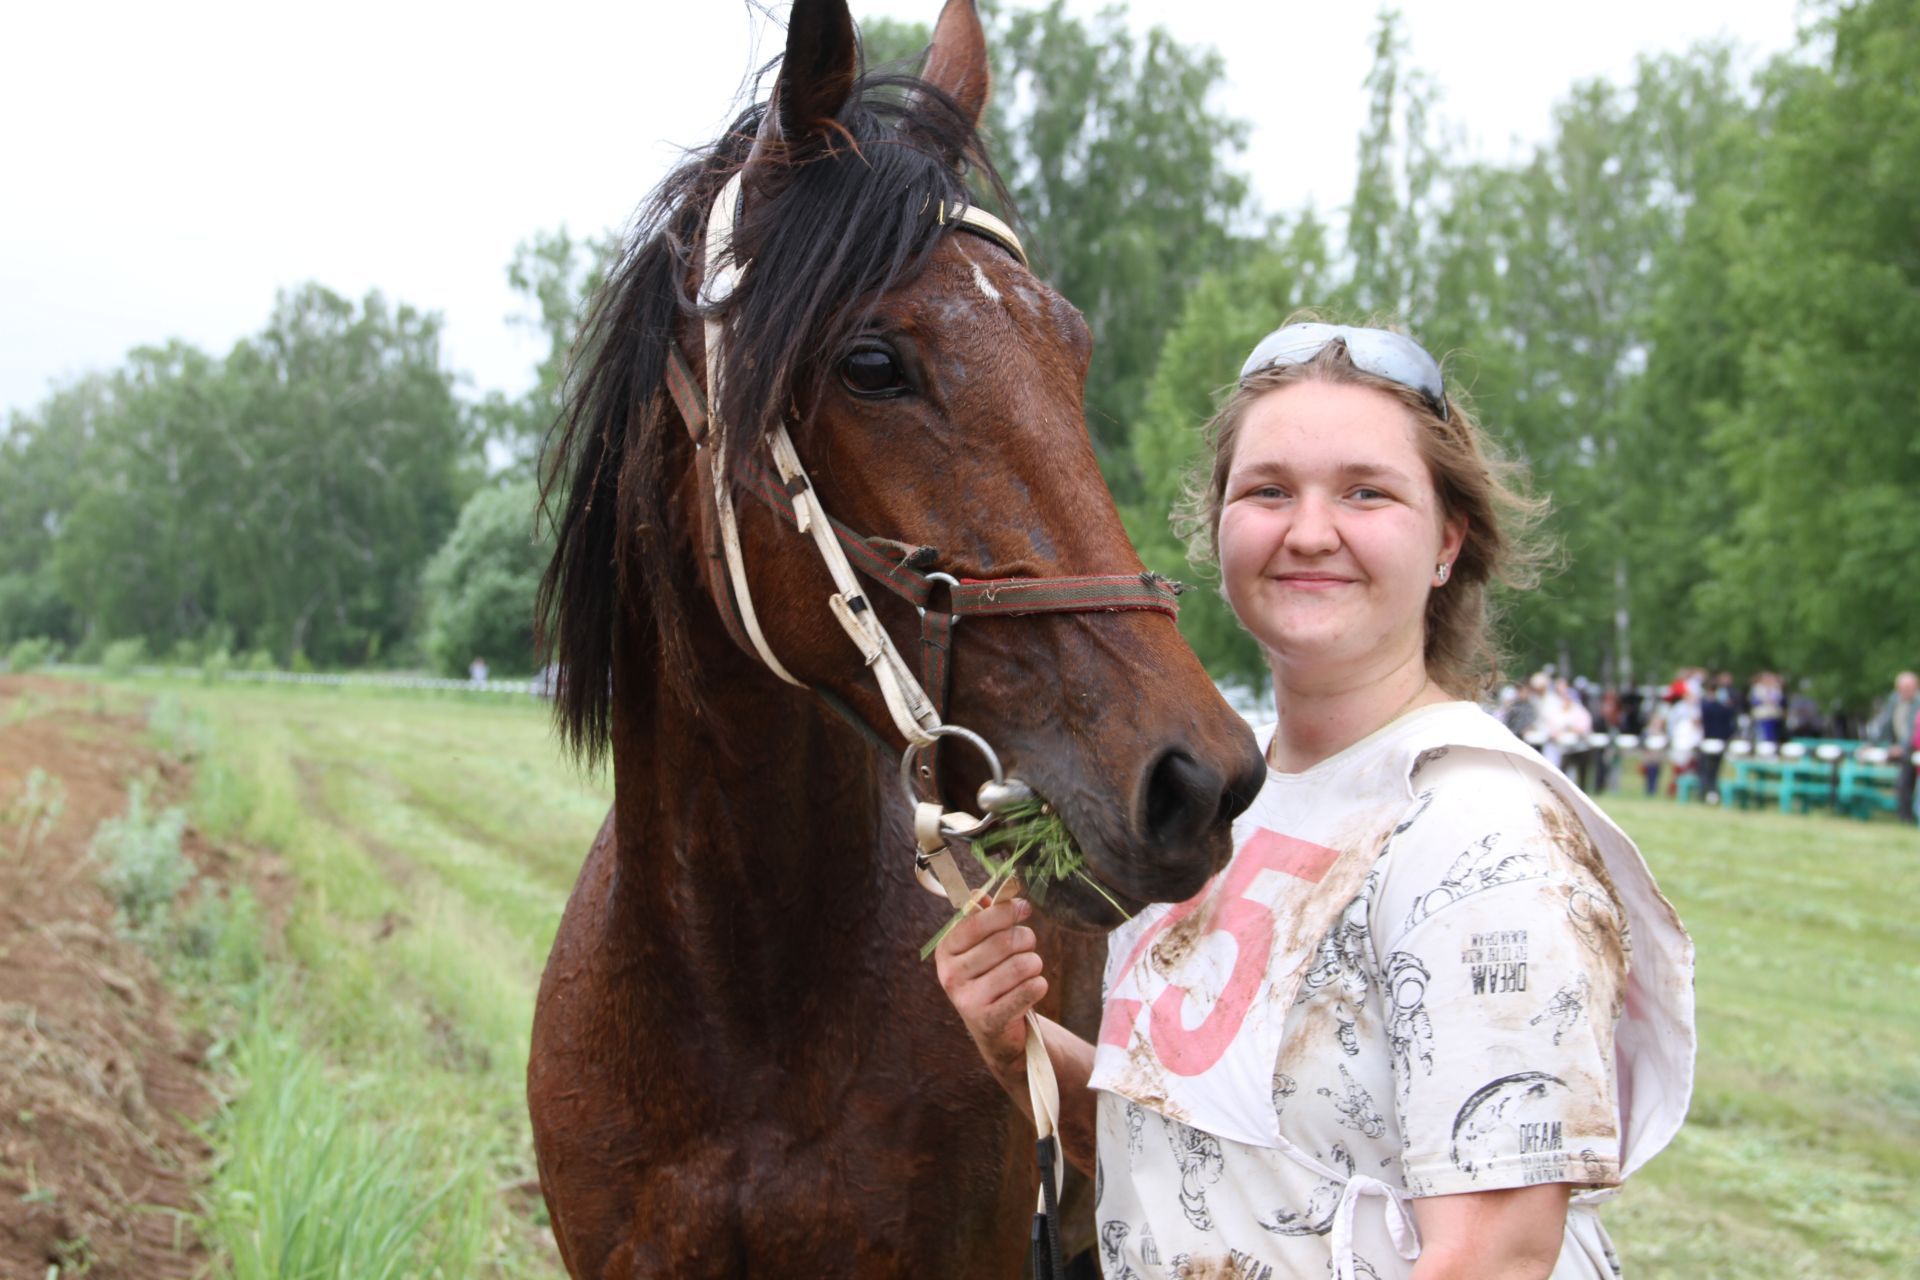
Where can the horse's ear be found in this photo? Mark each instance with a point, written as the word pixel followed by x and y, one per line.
pixel 816 76
pixel 957 59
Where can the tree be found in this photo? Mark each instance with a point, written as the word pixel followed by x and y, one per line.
pixel 339 469
pixel 1120 164
pixel 1816 430
pixel 132 554
pixel 479 586
pixel 558 275
pixel 40 476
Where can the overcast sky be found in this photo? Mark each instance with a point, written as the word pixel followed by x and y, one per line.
pixel 164 168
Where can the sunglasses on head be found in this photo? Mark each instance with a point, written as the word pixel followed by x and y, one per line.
pixel 1393 356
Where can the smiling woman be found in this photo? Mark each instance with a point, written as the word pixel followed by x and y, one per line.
pixel 1412 986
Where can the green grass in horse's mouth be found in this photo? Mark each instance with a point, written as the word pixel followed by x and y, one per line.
pixel 1034 841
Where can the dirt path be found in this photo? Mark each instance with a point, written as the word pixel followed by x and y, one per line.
pixel 99 1088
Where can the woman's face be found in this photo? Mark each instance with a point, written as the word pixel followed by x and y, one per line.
pixel 1330 531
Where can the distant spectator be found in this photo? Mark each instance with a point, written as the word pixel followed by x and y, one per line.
pixel 1682 724
pixel 1894 727
pixel 1767 704
pixel 1573 720
pixel 1718 721
pixel 1522 713
pixel 1633 713
pixel 477 671
pixel 1804 719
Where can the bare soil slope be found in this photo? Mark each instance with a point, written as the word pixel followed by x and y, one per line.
pixel 99 1089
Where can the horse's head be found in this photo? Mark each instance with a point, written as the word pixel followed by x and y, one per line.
pixel 931 385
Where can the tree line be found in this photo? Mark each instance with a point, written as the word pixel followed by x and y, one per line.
pixel 1690 312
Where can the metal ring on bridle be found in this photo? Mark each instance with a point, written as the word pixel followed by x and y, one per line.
pixel 947 578
pixel 947 731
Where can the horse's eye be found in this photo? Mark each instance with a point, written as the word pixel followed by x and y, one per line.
pixel 873 371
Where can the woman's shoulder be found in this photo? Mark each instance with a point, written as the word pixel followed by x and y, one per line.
pixel 1480 820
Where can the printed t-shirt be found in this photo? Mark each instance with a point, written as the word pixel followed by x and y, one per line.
pixel 1406 982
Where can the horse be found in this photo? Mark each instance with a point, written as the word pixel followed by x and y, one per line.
pixel 739 1064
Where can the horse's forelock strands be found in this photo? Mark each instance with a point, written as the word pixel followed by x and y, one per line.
pixel 830 228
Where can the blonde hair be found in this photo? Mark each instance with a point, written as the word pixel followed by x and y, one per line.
pixel 1473 480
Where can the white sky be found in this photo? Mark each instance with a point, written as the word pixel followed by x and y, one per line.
pixel 164 168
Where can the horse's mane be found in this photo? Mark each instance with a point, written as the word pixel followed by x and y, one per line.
pixel 831 221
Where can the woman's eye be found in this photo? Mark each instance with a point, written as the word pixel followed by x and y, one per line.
pixel 872 371
pixel 1369 495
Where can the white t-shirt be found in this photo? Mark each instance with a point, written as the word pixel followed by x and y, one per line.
pixel 1406 983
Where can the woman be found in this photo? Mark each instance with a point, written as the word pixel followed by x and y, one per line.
pixel 1406 1022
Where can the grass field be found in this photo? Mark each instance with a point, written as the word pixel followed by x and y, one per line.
pixel 435 840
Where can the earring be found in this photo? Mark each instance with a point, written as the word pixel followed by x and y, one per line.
pixel 1443 571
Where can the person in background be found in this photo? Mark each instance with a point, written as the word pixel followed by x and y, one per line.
pixel 1682 725
pixel 1768 706
pixel 1804 718
pixel 1576 721
pixel 477 671
pixel 1718 722
pixel 1894 728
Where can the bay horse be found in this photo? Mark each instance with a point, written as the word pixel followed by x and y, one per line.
pixel 739 1064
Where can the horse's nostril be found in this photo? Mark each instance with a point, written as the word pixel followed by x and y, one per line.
pixel 1183 799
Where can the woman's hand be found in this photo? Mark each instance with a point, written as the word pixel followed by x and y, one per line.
pixel 990 970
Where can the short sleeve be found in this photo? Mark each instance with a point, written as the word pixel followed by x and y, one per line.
pixel 1503 951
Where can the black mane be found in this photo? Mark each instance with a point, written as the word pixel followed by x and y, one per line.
pixel 830 224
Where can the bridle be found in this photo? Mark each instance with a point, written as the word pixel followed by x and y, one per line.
pixel 916 704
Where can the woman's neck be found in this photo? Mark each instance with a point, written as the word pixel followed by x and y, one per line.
pixel 1321 716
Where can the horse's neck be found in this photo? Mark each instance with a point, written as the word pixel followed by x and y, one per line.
pixel 752 830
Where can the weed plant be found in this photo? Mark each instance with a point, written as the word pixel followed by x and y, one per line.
pixel 177 730
pixel 143 868
pixel 122 656
pixel 31 815
pixel 29 653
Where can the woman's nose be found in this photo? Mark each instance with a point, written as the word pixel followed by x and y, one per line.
pixel 1312 530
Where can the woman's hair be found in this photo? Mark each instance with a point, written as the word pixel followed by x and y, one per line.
pixel 1472 478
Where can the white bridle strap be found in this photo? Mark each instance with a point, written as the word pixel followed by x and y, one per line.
pixel 717 284
pixel 1043 1085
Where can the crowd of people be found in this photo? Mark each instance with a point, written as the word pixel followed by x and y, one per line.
pixel 1696 718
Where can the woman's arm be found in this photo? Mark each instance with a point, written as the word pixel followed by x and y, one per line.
pixel 1513 1234
pixel 990 970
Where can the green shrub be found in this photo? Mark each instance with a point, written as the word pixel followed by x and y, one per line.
pixel 215 667
pixel 480 585
pixel 31 652
pixel 217 938
pixel 178 729
pixel 122 656
pixel 260 660
pixel 143 866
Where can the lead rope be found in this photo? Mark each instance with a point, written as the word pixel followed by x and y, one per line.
pixel 1043 1086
